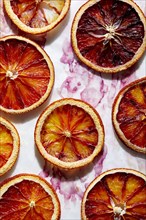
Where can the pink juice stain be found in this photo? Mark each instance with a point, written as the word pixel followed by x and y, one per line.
pixel 77 79
pixel 98 163
pixel 118 81
pixel 67 187
pixel 6 26
pixel 70 190
pixel 45 172
pixel 68 56
pixel 95 91
pixel 73 187
pixel 130 76
pixel 81 82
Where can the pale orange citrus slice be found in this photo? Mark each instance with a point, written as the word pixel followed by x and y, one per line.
pixel 109 35
pixel 118 194
pixel 28 197
pixel 26 74
pixel 9 145
pixel 69 133
pixel 129 115
pixel 36 16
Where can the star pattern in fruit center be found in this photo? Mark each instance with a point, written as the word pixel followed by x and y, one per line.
pixel 111 33
pixel 118 209
pixel 11 74
pixel 69 134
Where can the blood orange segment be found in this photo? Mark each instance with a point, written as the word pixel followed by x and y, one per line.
pixel 26 74
pixel 109 35
pixel 116 194
pixel 129 115
pixel 28 196
pixel 36 16
pixel 9 145
pixel 69 133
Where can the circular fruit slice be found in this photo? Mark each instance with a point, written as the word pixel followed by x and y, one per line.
pixel 109 35
pixel 117 194
pixel 36 16
pixel 129 115
pixel 26 75
pixel 69 133
pixel 9 145
pixel 28 196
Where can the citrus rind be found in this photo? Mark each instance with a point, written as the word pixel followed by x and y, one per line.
pixel 6 184
pixel 51 76
pixel 99 68
pixel 16 146
pixel 100 177
pixel 114 115
pixel 35 31
pixel 98 123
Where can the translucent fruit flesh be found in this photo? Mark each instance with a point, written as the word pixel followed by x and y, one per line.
pixel 24 74
pixel 109 33
pixel 37 14
pixel 6 145
pixel 131 114
pixel 26 200
pixel 69 133
pixel 118 196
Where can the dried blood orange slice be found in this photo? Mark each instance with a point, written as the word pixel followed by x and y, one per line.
pixel 36 16
pixel 9 145
pixel 129 115
pixel 27 196
pixel 117 194
pixel 69 133
pixel 26 74
pixel 109 35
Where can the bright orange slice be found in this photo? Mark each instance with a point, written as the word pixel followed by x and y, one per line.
pixel 26 75
pixel 28 197
pixel 129 115
pixel 36 16
pixel 109 35
pixel 69 133
pixel 9 145
pixel 118 194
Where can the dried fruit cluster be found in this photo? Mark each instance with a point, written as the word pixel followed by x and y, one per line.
pixel 108 36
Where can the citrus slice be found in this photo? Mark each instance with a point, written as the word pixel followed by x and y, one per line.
pixel 36 16
pixel 26 75
pixel 27 196
pixel 129 115
pixel 117 194
pixel 109 35
pixel 69 133
pixel 9 145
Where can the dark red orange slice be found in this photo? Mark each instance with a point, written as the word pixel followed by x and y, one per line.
pixel 129 115
pixel 109 35
pixel 26 75
pixel 118 194
pixel 28 196
pixel 9 145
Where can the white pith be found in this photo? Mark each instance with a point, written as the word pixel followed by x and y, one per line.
pixel 118 209
pixel 67 133
pixel 32 204
pixel 11 74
